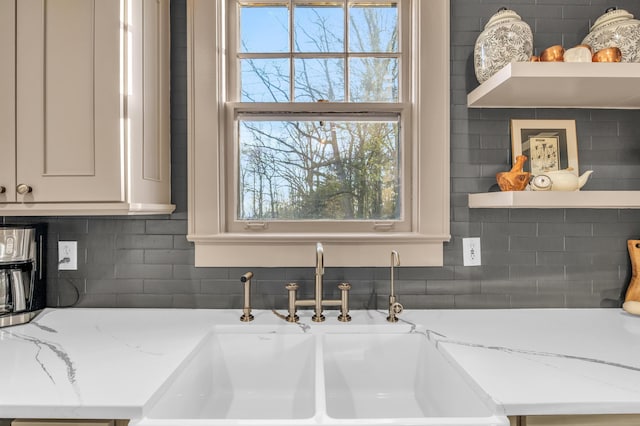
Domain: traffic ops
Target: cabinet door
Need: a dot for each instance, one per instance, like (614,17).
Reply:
(69,103)
(7,100)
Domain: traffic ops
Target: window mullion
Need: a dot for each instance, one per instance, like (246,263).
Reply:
(319,107)
(319,55)
(346,50)
(405,40)
(292,69)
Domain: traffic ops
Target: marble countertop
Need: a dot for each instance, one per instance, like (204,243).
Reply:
(547,361)
(109,363)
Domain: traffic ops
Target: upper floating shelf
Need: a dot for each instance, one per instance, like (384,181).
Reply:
(560,85)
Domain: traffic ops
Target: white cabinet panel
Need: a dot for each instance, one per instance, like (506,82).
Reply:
(68,100)
(7,101)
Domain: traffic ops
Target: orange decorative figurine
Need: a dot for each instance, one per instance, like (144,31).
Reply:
(516,179)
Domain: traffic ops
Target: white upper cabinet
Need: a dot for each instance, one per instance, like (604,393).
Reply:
(91,107)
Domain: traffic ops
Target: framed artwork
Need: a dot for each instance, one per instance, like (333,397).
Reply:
(548,144)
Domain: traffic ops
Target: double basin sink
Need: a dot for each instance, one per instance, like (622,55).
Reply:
(318,378)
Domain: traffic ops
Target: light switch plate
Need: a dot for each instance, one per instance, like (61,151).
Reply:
(471,252)
(67,255)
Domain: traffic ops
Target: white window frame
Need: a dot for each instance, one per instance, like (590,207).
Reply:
(216,245)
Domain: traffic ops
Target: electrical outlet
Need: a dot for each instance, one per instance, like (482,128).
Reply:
(67,255)
(471,252)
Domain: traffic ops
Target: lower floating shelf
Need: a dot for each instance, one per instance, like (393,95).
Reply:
(556,200)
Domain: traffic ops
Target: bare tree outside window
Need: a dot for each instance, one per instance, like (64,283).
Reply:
(325,166)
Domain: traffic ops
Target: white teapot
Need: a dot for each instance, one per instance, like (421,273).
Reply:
(559,180)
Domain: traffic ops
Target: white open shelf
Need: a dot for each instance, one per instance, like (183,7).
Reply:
(556,200)
(560,85)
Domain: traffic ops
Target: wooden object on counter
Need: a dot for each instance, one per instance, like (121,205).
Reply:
(516,179)
(632,297)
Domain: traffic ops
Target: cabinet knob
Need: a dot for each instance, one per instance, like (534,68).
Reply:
(23,189)
(2,189)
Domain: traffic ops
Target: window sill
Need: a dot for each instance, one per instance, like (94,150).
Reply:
(341,250)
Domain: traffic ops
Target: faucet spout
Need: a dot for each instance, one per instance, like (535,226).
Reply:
(395,261)
(319,259)
(318,317)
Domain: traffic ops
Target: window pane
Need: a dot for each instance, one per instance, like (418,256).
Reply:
(319,170)
(374,80)
(373,28)
(264,29)
(318,29)
(264,80)
(321,78)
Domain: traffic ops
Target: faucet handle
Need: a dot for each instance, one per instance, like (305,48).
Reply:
(397,308)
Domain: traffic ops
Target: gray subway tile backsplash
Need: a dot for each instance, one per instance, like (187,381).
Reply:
(170,286)
(145,241)
(111,226)
(537,301)
(171,256)
(528,244)
(531,258)
(443,287)
(482,301)
(169,227)
(113,286)
(191,272)
(145,300)
(127,270)
(564,258)
(592,272)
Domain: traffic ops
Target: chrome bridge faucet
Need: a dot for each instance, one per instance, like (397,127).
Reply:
(317,302)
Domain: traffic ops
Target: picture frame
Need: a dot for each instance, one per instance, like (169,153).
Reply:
(548,144)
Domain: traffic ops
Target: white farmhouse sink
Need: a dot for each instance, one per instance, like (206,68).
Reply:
(243,376)
(320,377)
(387,376)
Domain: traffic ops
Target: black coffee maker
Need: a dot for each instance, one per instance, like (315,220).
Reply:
(22,273)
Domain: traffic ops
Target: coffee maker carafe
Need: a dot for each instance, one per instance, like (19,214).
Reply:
(22,274)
